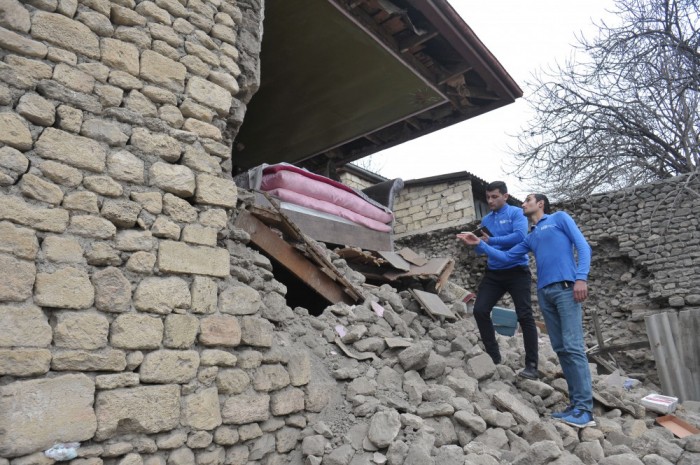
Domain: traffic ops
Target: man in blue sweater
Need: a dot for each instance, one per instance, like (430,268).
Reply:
(508,227)
(561,287)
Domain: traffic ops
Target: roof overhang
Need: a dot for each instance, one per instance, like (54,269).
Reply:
(342,79)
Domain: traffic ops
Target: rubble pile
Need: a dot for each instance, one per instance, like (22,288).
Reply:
(418,391)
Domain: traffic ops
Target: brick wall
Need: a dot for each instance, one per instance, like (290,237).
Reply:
(422,208)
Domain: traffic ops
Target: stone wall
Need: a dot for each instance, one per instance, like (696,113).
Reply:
(354,181)
(646,258)
(121,324)
(420,208)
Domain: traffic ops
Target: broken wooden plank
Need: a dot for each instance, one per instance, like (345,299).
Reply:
(432,304)
(595,350)
(395,260)
(316,254)
(444,275)
(274,246)
(412,257)
(357,255)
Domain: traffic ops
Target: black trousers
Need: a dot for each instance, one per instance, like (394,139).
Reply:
(495,283)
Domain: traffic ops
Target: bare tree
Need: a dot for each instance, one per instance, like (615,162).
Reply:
(626,114)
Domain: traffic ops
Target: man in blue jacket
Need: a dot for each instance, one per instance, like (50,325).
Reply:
(508,227)
(561,287)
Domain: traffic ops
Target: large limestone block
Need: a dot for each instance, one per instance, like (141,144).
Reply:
(220,330)
(134,240)
(180,331)
(14,16)
(233,381)
(61,174)
(43,219)
(65,33)
(40,189)
(416,356)
(24,326)
(104,131)
(21,45)
(162,295)
(161,145)
(256,331)
(169,366)
(37,414)
(13,160)
(92,226)
(16,286)
(287,401)
(179,209)
(522,412)
(216,191)
(136,331)
(37,109)
(18,241)
(24,362)
(176,179)
(162,70)
(299,368)
(176,257)
(240,300)
(122,213)
(15,131)
(73,150)
(65,288)
(240,410)
(62,249)
(145,409)
(84,360)
(270,378)
(209,94)
(202,410)
(81,330)
(384,427)
(112,290)
(125,166)
(204,295)
(120,55)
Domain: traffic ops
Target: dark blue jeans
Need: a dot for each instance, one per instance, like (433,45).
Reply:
(563,317)
(495,283)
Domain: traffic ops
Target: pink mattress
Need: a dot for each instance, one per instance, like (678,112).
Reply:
(286,179)
(328,207)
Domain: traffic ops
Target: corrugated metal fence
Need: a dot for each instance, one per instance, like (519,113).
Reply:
(675,341)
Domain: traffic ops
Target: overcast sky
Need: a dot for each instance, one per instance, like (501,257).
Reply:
(524,37)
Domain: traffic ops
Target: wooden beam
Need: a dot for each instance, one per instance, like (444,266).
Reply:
(407,44)
(619,347)
(269,242)
(453,73)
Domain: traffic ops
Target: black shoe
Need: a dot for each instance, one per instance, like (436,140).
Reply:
(529,373)
(496,359)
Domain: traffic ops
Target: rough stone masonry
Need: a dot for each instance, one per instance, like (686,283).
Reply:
(135,322)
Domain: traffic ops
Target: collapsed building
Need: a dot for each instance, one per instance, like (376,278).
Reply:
(141,324)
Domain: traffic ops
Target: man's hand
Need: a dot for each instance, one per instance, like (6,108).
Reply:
(580,291)
(468,238)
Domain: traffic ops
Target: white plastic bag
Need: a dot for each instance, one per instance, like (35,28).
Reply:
(62,452)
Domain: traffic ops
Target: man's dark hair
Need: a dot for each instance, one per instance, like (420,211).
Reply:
(500,186)
(543,198)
